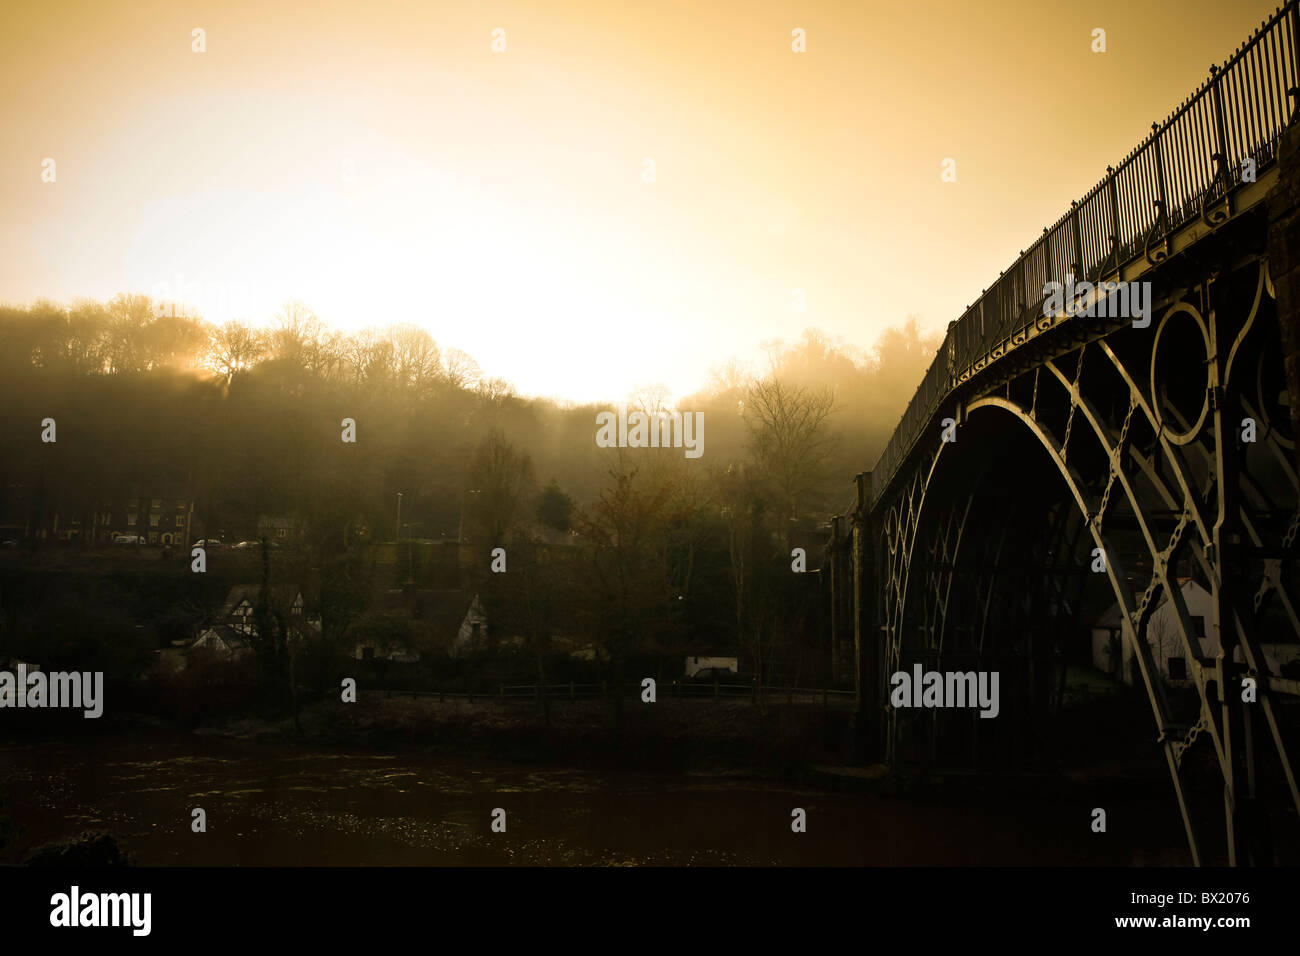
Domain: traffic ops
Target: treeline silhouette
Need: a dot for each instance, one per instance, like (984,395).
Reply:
(630,551)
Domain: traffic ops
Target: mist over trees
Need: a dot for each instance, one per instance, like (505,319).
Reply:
(633,551)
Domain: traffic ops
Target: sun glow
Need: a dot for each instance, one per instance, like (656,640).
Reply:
(381,164)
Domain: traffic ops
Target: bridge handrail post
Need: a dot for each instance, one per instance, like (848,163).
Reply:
(1220,148)
(1078,240)
(1294,91)
(1030,297)
(1114,216)
(1162,203)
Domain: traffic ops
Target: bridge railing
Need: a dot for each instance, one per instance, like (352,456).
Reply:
(1185,165)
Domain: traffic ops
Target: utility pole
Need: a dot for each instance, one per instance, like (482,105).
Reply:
(410,557)
(397,541)
(460,533)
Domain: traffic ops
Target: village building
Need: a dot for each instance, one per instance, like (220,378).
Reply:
(223,641)
(1113,655)
(452,617)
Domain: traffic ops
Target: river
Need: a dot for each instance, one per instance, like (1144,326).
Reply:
(276,805)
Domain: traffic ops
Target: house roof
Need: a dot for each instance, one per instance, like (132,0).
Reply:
(1114,617)
(237,595)
(443,608)
(226,634)
(281,596)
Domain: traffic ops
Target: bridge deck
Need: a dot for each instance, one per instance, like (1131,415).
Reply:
(1214,158)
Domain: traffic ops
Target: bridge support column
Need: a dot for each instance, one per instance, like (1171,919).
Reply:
(866,630)
(1226,588)
(834,566)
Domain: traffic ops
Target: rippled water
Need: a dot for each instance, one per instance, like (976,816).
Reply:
(276,805)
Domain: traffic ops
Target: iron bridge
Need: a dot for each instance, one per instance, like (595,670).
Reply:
(1063,488)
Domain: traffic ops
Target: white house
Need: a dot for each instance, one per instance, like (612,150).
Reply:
(1113,655)
(457,622)
(240,606)
(473,627)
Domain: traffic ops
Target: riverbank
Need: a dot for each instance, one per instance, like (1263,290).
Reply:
(714,735)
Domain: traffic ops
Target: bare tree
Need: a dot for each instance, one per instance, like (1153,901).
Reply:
(128,316)
(729,378)
(235,348)
(502,478)
(459,370)
(370,358)
(417,360)
(651,399)
(624,538)
(495,392)
(1164,640)
(302,340)
(789,438)
(749,550)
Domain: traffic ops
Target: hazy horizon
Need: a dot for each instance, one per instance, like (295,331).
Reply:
(497,199)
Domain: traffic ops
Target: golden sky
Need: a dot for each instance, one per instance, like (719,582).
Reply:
(378,161)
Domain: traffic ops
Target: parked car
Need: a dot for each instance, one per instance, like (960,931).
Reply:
(128,539)
(209,544)
(10,544)
(244,545)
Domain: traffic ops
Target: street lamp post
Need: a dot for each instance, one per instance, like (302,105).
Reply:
(410,557)
(460,533)
(397,532)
